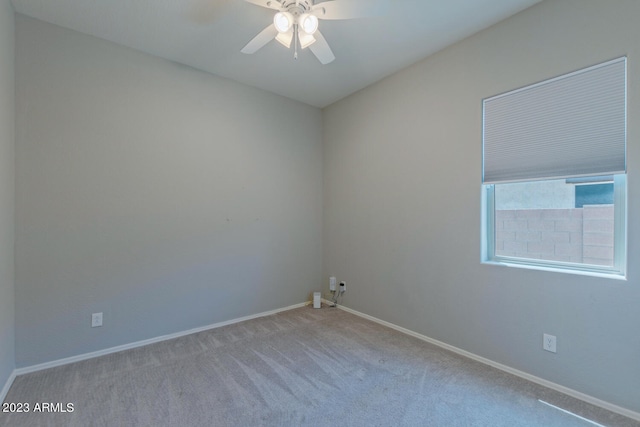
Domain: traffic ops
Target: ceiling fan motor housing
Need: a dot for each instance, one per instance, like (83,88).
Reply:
(296,7)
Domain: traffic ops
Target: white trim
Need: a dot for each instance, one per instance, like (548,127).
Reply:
(530,264)
(557,387)
(85,356)
(7,385)
(327,303)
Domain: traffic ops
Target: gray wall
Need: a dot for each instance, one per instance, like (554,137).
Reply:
(7,120)
(402,204)
(164,197)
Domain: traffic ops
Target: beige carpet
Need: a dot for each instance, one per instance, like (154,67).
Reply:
(302,367)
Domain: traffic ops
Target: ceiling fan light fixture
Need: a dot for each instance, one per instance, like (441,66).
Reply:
(306,40)
(309,23)
(283,21)
(285,39)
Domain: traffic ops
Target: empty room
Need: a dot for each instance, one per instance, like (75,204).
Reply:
(310,213)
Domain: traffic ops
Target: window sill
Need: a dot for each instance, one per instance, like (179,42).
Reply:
(602,274)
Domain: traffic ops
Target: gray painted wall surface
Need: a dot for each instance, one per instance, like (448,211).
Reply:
(7,120)
(402,204)
(164,197)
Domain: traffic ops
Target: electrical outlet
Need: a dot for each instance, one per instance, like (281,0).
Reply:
(332,283)
(343,287)
(549,343)
(96,320)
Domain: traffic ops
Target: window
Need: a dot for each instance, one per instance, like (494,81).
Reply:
(554,173)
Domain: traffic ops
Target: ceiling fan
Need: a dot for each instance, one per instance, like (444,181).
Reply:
(296,21)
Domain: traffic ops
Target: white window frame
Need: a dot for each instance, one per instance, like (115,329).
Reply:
(617,271)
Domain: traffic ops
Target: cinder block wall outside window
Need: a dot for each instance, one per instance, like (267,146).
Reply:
(582,235)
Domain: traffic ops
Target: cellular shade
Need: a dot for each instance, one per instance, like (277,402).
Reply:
(572,125)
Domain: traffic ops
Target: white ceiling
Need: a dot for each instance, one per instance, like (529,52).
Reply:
(208,35)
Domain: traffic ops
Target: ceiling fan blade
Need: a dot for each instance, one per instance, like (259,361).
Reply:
(269,4)
(321,49)
(348,9)
(260,40)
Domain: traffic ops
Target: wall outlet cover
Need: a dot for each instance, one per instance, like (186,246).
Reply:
(549,342)
(96,320)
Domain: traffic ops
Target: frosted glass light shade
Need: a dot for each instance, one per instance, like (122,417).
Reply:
(285,38)
(283,21)
(306,40)
(309,23)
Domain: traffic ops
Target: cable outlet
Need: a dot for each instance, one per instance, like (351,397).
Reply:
(332,284)
(343,287)
(96,320)
(549,343)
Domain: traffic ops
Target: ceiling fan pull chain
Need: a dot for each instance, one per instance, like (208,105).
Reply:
(295,41)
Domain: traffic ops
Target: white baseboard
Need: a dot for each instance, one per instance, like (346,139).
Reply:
(7,386)
(85,356)
(557,387)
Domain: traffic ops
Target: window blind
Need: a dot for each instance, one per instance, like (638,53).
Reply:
(572,125)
